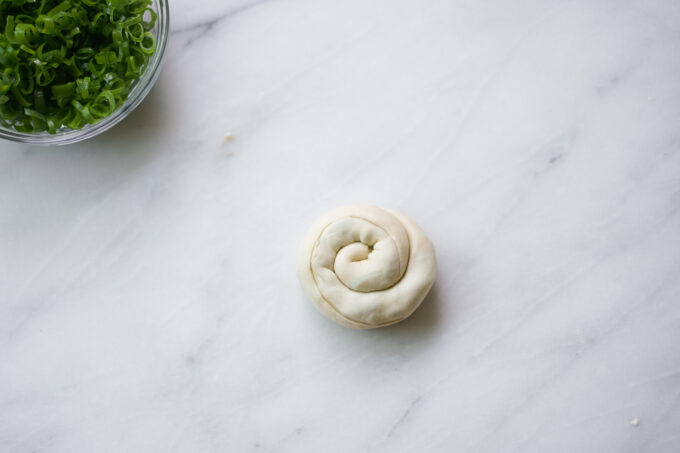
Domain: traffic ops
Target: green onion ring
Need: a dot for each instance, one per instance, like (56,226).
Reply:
(64,64)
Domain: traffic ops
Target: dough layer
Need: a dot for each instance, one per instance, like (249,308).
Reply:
(365,266)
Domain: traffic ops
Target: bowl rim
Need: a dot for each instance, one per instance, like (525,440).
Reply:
(139,91)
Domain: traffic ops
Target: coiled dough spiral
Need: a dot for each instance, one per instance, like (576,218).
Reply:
(365,266)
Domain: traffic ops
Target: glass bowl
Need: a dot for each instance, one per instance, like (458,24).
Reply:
(139,91)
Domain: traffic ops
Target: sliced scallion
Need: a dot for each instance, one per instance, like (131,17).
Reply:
(64,64)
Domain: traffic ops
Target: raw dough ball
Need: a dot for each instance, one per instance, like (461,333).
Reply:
(365,266)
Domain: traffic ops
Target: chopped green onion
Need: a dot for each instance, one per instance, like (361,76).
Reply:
(65,64)
(148,43)
(64,90)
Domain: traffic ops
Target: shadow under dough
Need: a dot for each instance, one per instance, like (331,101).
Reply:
(424,320)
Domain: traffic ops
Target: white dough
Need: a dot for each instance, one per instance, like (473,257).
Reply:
(365,266)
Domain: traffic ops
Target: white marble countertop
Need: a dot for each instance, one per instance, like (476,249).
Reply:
(148,299)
